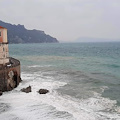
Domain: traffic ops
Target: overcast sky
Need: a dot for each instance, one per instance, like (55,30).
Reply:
(67,20)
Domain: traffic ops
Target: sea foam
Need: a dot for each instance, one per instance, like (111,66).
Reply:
(54,105)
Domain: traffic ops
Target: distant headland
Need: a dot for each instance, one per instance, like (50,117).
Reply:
(19,34)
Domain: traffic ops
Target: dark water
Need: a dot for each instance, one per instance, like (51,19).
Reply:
(83,79)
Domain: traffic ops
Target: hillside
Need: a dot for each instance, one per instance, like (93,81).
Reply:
(19,34)
(90,39)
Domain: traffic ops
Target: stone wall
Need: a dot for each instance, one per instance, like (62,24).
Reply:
(10,75)
(4,54)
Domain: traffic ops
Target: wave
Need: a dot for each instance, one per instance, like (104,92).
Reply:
(34,66)
(55,106)
(112,65)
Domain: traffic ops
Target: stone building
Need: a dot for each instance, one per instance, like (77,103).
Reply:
(4,57)
(9,67)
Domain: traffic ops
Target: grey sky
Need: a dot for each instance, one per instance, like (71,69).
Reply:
(66,20)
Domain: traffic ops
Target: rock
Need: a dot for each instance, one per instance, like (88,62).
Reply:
(1,93)
(43,91)
(26,90)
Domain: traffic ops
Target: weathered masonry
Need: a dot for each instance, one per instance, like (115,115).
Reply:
(3,46)
(9,67)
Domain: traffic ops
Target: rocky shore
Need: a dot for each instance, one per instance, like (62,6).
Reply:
(10,75)
(29,89)
(10,78)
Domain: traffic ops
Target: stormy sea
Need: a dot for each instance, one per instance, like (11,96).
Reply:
(83,80)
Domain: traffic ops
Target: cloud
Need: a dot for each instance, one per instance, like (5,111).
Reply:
(65,19)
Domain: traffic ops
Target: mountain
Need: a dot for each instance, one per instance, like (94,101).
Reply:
(89,39)
(19,34)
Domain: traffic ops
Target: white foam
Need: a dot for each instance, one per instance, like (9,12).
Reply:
(34,66)
(33,106)
(89,109)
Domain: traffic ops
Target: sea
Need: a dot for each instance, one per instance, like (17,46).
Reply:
(83,80)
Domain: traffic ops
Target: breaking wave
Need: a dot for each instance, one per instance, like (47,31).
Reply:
(17,105)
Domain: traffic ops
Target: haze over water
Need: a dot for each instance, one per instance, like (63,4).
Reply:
(83,80)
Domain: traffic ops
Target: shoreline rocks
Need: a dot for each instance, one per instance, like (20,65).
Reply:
(26,90)
(29,89)
(1,93)
(43,91)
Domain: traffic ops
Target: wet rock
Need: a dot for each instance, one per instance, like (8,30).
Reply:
(26,90)
(1,93)
(43,91)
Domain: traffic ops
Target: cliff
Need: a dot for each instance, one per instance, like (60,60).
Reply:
(19,34)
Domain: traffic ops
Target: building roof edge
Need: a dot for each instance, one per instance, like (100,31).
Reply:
(3,27)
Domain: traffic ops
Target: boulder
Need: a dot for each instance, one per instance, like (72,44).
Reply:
(26,90)
(43,91)
(1,93)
